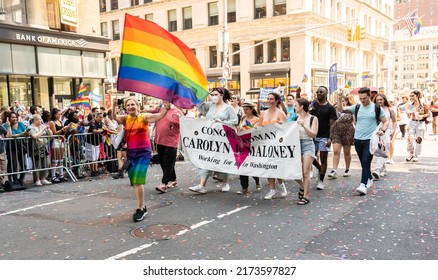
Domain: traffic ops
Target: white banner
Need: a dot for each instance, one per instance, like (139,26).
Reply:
(272,151)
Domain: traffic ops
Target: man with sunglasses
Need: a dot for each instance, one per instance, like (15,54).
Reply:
(326,114)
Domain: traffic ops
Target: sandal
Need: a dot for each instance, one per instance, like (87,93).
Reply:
(161,189)
(303,201)
(300,194)
(172,185)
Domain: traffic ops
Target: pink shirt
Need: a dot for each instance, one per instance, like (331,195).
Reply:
(167,129)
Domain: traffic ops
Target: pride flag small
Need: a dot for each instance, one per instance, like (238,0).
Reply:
(365,75)
(305,78)
(84,101)
(82,90)
(348,84)
(294,88)
(155,62)
(247,125)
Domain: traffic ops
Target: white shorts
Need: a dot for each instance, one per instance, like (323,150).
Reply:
(91,152)
(57,144)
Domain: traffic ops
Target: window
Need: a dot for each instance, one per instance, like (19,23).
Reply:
(349,60)
(102,6)
(149,17)
(423,47)
(231,11)
(258,53)
(53,15)
(279,7)
(135,2)
(104,29)
(114,66)
(147,1)
(422,75)
(259,9)
(272,51)
(187,16)
(236,57)
(285,47)
(423,66)
(114,5)
(171,15)
(423,56)
(213,14)
(116,30)
(213,57)
(317,51)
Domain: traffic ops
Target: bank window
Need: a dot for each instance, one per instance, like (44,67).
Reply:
(285,49)
(213,56)
(5,58)
(116,30)
(272,51)
(171,17)
(236,57)
(231,11)
(279,7)
(135,2)
(213,14)
(147,1)
(258,53)
(187,16)
(102,6)
(94,64)
(71,63)
(114,5)
(104,29)
(23,59)
(259,9)
(49,61)
(149,17)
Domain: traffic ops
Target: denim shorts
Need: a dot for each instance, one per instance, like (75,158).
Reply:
(307,147)
(320,143)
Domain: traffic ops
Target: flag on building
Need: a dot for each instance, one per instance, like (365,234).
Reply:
(348,84)
(82,90)
(333,78)
(84,101)
(365,75)
(413,24)
(305,78)
(156,63)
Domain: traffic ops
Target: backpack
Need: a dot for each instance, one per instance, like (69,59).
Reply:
(377,109)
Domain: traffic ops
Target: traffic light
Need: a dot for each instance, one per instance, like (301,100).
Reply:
(350,34)
(360,33)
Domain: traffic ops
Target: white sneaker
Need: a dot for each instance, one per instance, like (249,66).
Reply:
(45,182)
(320,185)
(370,183)
(415,159)
(270,194)
(333,174)
(362,189)
(347,173)
(283,190)
(198,189)
(38,183)
(382,174)
(226,188)
(376,175)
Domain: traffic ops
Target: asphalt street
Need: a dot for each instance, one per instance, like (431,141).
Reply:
(92,219)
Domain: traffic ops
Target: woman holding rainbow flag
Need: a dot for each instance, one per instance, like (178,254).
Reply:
(139,147)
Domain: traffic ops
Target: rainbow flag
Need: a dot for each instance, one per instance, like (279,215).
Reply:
(348,84)
(408,107)
(381,90)
(84,101)
(365,75)
(305,78)
(247,125)
(294,88)
(156,63)
(82,90)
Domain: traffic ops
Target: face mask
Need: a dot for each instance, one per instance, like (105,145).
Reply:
(215,99)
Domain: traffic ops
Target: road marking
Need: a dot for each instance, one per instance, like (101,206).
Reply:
(192,227)
(49,203)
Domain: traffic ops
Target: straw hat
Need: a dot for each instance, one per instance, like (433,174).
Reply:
(247,104)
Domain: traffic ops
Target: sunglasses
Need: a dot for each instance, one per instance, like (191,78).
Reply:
(320,91)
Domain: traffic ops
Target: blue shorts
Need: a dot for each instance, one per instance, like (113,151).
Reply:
(320,144)
(307,147)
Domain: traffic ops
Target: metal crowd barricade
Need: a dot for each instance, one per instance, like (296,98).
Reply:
(83,149)
(22,155)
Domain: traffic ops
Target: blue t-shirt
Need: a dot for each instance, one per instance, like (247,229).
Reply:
(366,121)
(291,115)
(20,129)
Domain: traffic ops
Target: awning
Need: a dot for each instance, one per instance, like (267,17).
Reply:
(253,91)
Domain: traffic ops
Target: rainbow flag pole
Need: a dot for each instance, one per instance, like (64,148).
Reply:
(156,63)
(82,90)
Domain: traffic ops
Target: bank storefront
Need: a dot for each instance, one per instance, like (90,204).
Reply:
(45,67)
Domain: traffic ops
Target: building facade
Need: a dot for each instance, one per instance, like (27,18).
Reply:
(416,61)
(292,38)
(47,48)
(426,9)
